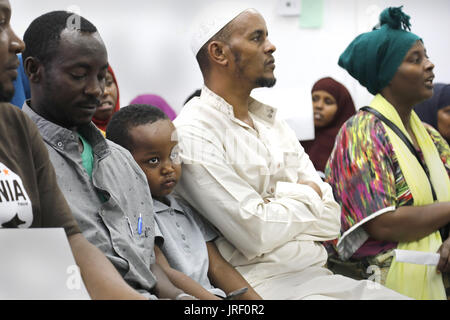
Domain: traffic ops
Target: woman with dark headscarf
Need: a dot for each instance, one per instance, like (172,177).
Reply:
(389,171)
(436,111)
(109,103)
(332,106)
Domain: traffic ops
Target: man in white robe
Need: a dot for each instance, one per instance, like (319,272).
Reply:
(245,171)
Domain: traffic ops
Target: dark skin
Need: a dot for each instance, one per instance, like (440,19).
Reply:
(10,46)
(156,152)
(223,275)
(100,277)
(412,84)
(252,46)
(237,65)
(67,91)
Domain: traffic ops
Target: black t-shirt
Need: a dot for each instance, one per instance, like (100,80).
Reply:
(29,193)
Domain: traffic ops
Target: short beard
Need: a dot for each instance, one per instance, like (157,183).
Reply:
(260,82)
(5,96)
(265,82)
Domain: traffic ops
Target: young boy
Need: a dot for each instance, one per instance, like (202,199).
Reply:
(187,253)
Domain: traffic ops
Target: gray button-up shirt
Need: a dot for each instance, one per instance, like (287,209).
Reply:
(185,235)
(110,225)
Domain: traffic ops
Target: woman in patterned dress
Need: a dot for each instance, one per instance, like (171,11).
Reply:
(391,199)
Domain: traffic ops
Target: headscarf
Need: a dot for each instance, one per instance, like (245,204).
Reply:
(156,101)
(102,124)
(428,109)
(320,148)
(374,57)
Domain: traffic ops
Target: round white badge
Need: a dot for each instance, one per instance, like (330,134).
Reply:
(15,205)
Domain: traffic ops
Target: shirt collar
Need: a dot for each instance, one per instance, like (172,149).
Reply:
(63,139)
(261,110)
(159,206)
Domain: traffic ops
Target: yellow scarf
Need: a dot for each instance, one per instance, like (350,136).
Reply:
(416,281)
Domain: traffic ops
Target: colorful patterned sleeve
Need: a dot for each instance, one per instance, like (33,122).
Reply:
(362,174)
(441,145)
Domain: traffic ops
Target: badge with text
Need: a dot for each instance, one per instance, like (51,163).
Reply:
(15,205)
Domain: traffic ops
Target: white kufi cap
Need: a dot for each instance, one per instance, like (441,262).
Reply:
(211,20)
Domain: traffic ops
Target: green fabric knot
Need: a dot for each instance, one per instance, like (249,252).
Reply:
(374,57)
(395,18)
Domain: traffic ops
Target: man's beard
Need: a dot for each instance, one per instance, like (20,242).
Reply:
(5,96)
(265,82)
(260,82)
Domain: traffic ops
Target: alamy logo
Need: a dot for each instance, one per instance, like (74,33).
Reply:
(74,21)
(375,276)
(74,279)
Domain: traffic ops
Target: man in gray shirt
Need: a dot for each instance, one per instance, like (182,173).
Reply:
(66,62)
(24,160)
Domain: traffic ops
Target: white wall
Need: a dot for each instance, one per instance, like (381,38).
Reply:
(148,41)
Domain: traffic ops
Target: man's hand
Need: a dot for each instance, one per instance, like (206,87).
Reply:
(312,185)
(102,279)
(444,261)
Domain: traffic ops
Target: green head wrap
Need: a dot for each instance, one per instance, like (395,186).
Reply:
(374,57)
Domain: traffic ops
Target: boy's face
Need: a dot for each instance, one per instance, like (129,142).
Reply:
(156,152)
